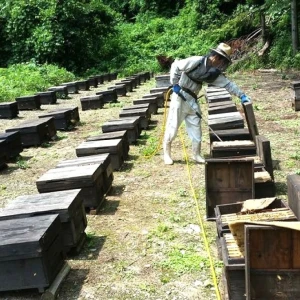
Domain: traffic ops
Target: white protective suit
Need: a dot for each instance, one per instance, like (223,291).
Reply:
(180,110)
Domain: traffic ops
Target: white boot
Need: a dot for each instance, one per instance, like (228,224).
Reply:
(196,148)
(167,153)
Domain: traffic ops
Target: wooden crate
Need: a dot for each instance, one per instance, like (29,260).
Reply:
(162,81)
(223,121)
(62,119)
(72,87)
(109,96)
(28,102)
(9,110)
(48,97)
(93,81)
(227,181)
(113,146)
(83,85)
(293,190)
(226,135)
(60,90)
(122,134)
(91,102)
(159,98)
(102,160)
(128,84)
(35,132)
(88,178)
(224,210)
(144,114)
(119,88)
(222,109)
(153,107)
(3,155)
(100,79)
(232,148)
(131,125)
(31,252)
(215,97)
(67,204)
(272,262)
(12,142)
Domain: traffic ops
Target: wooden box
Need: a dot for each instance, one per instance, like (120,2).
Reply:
(222,109)
(133,80)
(162,81)
(227,181)
(113,147)
(60,90)
(120,89)
(153,107)
(62,118)
(93,81)
(88,178)
(225,212)
(67,204)
(131,125)
(35,132)
(226,135)
(3,155)
(72,87)
(47,97)
(92,102)
(106,77)
(159,98)
(144,114)
(109,96)
(232,148)
(137,79)
(226,121)
(272,262)
(28,102)
(9,110)
(83,85)
(122,134)
(31,252)
(293,191)
(12,142)
(128,85)
(103,160)
(218,97)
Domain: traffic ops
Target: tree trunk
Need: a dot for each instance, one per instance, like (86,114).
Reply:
(295,39)
(263,26)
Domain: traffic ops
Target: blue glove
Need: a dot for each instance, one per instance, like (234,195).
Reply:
(176,88)
(244,98)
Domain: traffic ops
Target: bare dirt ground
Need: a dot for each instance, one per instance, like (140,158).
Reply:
(148,241)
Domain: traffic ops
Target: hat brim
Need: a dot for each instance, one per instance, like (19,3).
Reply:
(222,54)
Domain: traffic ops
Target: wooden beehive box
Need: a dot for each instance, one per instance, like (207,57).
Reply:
(47,97)
(103,160)
(159,98)
(153,107)
(9,110)
(106,77)
(128,85)
(12,142)
(130,125)
(28,102)
(223,121)
(225,213)
(67,204)
(35,132)
(144,114)
(93,81)
(218,97)
(88,178)
(3,155)
(122,134)
(137,78)
(133,80)
(99,78)
(233,148)
(31,252)
(162,81)
(92,102)
(109,96)
(119,88)
(60,90)
(113,146)
(222,109)
(226,135)
(272,262)
(293,188)
(228,181)
(72,87)
(62,119)
(83,85)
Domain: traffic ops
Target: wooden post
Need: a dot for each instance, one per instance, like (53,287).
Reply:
(295,39)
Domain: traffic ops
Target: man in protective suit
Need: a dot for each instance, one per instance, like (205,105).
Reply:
(186,77)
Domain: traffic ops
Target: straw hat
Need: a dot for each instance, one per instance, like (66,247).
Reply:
(224,50)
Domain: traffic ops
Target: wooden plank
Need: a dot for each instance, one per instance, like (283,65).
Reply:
(230,134)
(251,120)
(293,189)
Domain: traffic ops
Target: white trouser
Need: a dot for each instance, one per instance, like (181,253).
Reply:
(183,110)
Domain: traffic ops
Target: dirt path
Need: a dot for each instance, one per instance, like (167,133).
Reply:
(146,243)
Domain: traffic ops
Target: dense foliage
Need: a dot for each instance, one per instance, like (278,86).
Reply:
(88,36)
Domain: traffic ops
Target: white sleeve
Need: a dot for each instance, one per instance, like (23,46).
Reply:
(230,86)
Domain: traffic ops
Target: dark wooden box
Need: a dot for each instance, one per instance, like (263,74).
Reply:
(134,81)
(72,87)
(103,160)
(272,261)
(128,85)
(153,107)
(28,102)
(60,90)
(122,134)
(226,121)
(113,147)
(88,178)
(67,204)
(93,81)
(215,97)
(119,88)
(228,181)
(100,79)
(109,96)
(293,189)
(162,80)
(31,252)
(3,155)
(222,109)
(137,78)
(226,135)
(62,119)
(35,132)
(159,98)
(92,102)
(106,77)
(130,125)
(113,75)
(233,208)
(83,85)
(232,148)
(144,114)
(12,142)
(9,110)
(47,97)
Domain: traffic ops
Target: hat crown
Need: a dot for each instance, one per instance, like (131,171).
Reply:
(226,49)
